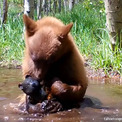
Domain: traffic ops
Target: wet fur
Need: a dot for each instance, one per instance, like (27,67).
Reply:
(52,56)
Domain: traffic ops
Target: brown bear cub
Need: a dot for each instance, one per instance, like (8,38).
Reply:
(52,58)
(36,98)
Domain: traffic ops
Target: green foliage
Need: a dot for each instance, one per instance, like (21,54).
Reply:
(16,1)
(11,40)
(91,36)
(88,31)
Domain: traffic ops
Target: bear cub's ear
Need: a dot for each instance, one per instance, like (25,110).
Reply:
(65,30)
(30,25)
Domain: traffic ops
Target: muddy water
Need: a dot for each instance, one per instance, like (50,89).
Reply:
(103,102)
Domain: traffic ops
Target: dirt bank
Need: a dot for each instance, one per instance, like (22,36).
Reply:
(98,74)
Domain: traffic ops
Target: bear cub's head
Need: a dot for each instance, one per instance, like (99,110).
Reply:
(46,39)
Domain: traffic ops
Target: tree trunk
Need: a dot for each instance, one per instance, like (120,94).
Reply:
(39,8)
(65,5)
(0,12)
(59,5)
(54,6)
(113,10)
(49,5)
(71,4)
(5,10)
(45,7)
(29,8)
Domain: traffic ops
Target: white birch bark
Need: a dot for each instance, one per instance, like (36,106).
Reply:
(71,4)
(113,10)
(39,8)
(65,5)
(49,5)
(29,8)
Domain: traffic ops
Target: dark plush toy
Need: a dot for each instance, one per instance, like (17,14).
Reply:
(33,89)
(36,97)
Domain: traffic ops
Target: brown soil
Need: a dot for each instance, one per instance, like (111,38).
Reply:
(99,74)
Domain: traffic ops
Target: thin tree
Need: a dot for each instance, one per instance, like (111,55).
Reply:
(5,11)
(49,5)
(65,5)
(54,5)
(0,11)
(29,8)
(113,10)
(71,4)
(45,7)
(39,9)
(59,5)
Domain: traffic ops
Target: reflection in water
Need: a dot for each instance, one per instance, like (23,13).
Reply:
(102,102)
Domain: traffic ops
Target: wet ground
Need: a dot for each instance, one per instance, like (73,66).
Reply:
(103,102)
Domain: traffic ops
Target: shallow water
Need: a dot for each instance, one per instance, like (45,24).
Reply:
(103,102)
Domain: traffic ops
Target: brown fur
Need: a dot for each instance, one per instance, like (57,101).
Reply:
(52,56)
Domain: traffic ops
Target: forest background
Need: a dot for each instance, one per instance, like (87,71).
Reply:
(89,32)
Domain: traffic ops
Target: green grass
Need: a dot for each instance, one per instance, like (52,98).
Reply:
(89,32)
(92,37)
(11,38)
